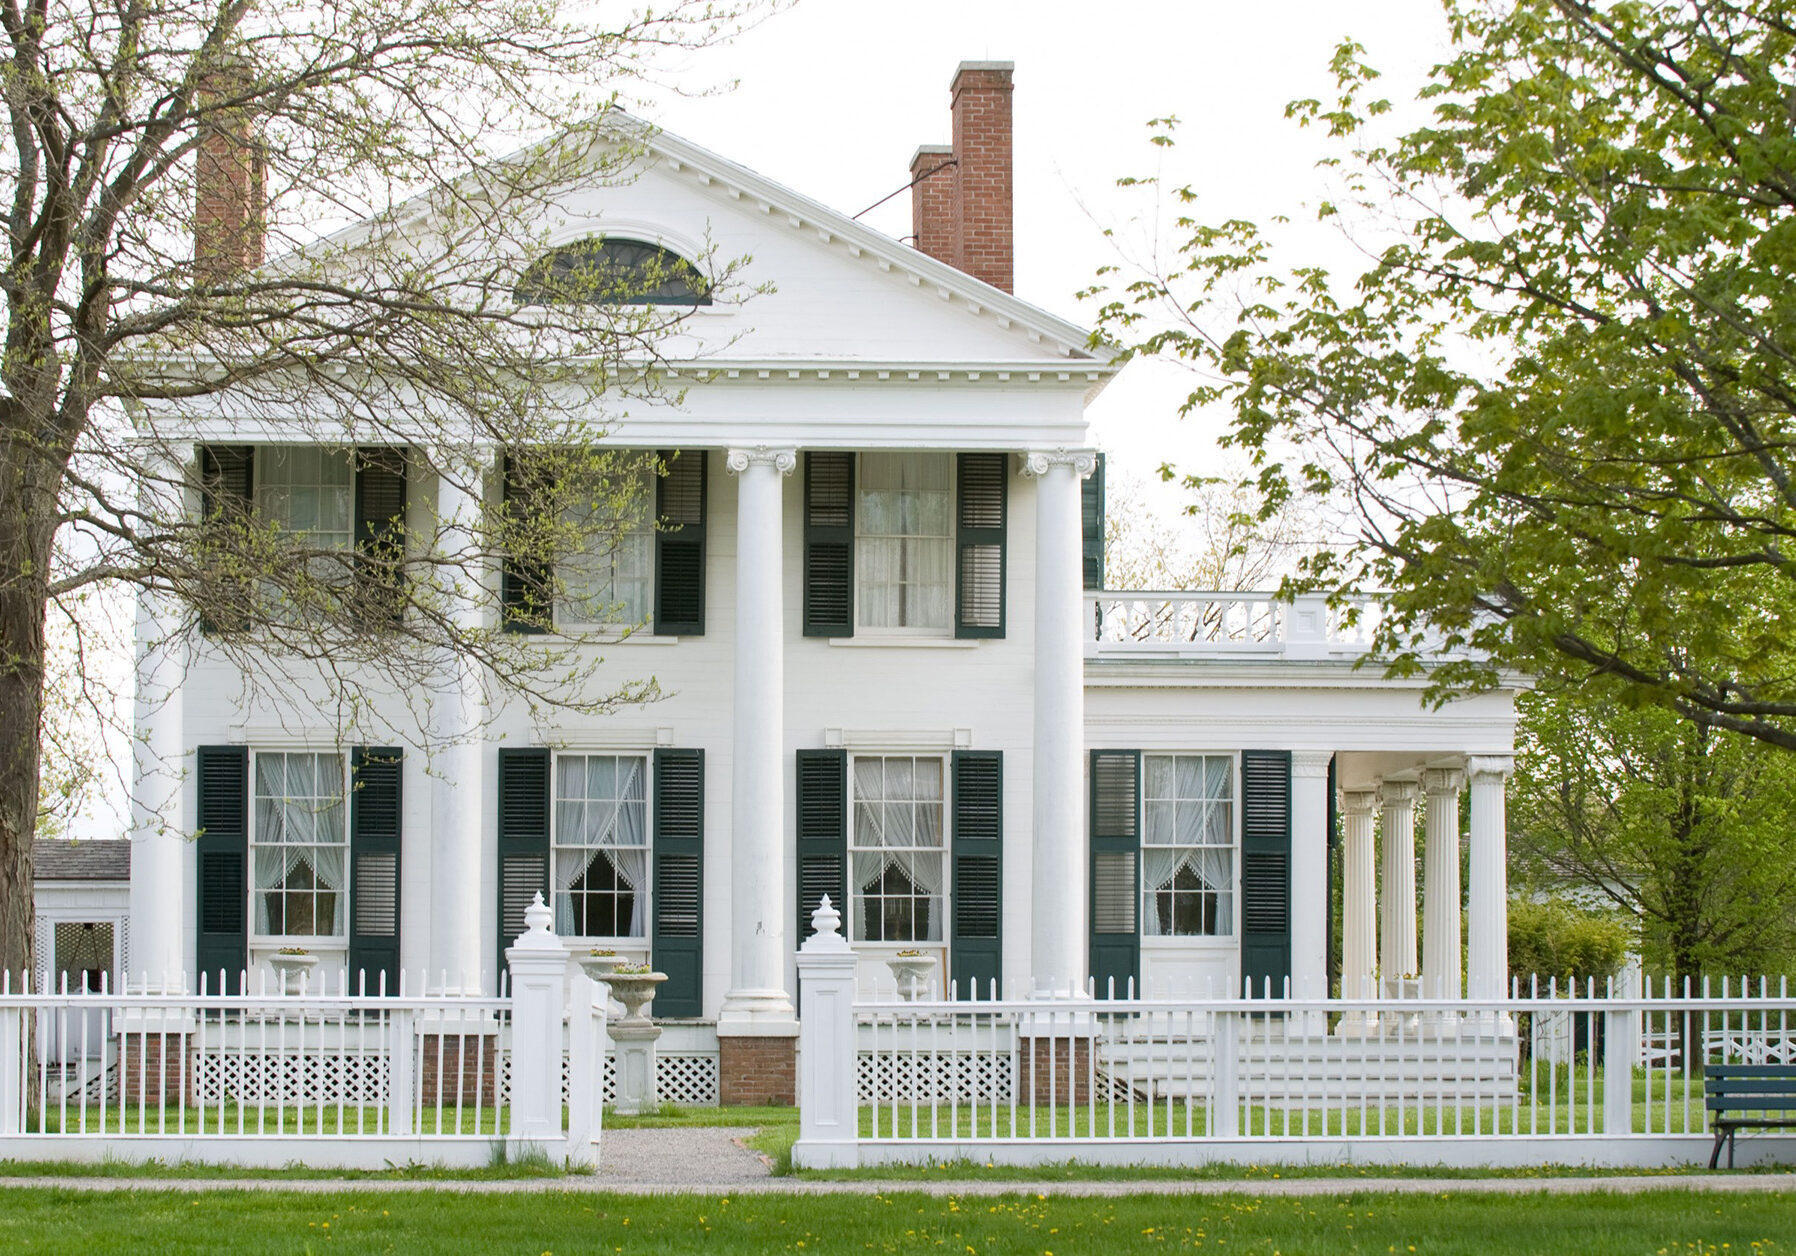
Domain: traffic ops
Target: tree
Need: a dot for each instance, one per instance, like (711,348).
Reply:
(1555,941)
(398,163)
(1683,828)
(1226,543)
(1562,398)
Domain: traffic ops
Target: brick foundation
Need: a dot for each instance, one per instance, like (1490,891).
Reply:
(1055,1070)
(757,1072)
(153,1068)
(466,1066)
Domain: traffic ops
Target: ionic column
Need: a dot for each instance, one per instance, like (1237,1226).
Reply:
(160,825)
(1440,885)
(757,1003)
(1359,893)
(1057,954)
(1487,932)
(1397,909)
(1309,875)
(458,756)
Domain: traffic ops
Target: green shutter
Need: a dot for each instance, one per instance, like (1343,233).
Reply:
(974,946)
(375,821)
(828,545)
(982,498)
(1265,870)
(525,586)
(227,486)
(679,881)
(1115,872)
(822,834)
(380,534)
(523,839)
(680,550)
(1091,525)
(221,942)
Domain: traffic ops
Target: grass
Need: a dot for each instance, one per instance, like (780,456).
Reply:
(244,1223)
(230,1118)
(498,1170)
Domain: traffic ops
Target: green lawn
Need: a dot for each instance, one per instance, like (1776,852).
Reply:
(245,1223)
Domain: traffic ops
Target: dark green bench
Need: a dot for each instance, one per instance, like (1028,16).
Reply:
(1766,1091)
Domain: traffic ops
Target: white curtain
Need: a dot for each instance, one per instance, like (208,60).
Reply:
(600,809)
(300,820)
(905,556)
(898,826)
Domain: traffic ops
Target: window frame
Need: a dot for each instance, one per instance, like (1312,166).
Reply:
(256,939)
(1160,940)
(945,631)
(645,534)
(645,907)
(943,850)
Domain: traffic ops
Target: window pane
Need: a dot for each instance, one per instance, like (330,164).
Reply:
(601,846)
(905,541)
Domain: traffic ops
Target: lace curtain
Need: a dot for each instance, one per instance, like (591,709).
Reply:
(301,843)
(905,552)
(600,811)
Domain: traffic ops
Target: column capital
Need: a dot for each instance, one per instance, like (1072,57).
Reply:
(1310,762)
(782,458)
(1442,781)
(1036,462)
(1398,793)
(1486,766)
(1358,802)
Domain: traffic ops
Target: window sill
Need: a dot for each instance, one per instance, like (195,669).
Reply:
(874,642)
(1195,941)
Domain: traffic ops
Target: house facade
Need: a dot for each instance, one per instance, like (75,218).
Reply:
(871,595)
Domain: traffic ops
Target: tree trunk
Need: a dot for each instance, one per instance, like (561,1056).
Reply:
(21,713)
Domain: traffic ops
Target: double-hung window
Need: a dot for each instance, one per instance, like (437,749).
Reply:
(1188,845)
(601,846)
(299,843)
(307,494)
(613,580)
(897,848)
(904,536)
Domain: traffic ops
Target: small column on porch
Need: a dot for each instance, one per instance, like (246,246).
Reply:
(1359,893)
(1487,931)
(757,1027)
(1397,909)
(1057,958)
(1309,875)
(458,758)
(1440,886)
(160,827)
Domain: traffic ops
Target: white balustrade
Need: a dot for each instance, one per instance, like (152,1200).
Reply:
(1198,623)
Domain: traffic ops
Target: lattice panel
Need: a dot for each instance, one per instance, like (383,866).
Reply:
(938,1077)
(292,1077)
(686,1080)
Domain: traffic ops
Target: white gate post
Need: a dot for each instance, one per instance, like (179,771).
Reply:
(402,1046)
(828,1115)
(1225,1102)
(538,981)
(1621,1040)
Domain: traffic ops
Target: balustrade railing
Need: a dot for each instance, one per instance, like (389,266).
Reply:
(1200,622)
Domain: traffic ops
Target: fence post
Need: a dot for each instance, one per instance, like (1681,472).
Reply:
(12,1069)
(401,1048)
(1619,1047)
(1225,1103)
(828,1113)
(538,966)
(586,1072)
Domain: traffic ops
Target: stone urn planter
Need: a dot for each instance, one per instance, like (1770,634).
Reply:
(289,966)
(635,1036)
(912,973)
(596,965)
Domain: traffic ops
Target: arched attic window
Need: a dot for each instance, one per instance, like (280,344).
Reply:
(612,271)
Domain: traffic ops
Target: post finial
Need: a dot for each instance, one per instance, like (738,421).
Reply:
(826,919)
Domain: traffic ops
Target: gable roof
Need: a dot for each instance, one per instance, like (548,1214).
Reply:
(58,859)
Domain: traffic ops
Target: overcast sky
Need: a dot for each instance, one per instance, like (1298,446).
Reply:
(833,96)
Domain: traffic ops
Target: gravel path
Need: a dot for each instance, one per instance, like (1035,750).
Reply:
(689,1154)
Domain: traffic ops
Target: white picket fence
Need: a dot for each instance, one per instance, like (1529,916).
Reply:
(308,1076)
(1267,1080)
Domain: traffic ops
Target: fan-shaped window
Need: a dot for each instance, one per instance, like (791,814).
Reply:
(612,272)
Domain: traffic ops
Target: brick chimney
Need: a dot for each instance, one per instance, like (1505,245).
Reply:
(962,213)
(229,172)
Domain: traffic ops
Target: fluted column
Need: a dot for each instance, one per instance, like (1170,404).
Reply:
(757,1002)
(459,753)
(1359,894)
(160,828)
(1440,886)
(1397,909)
(1057,957)
(1309,875)
(1487,932)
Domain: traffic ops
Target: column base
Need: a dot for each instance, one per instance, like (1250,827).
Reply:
(1055,1070)
(757,1014)
(757,1071)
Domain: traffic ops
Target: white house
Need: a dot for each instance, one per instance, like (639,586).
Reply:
(892,675)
